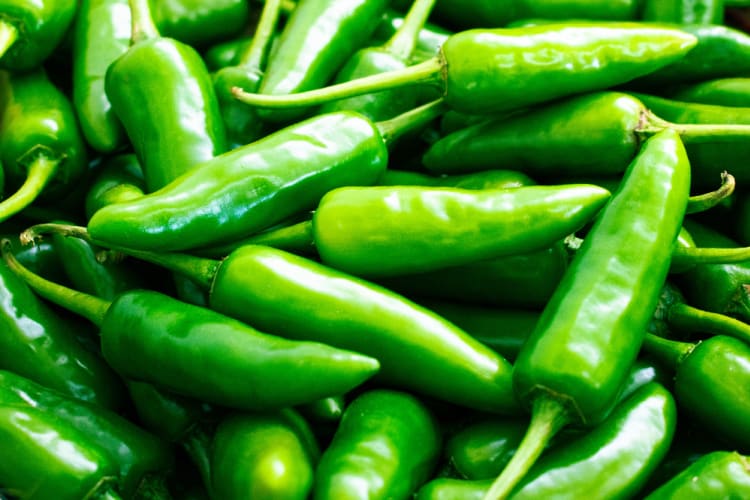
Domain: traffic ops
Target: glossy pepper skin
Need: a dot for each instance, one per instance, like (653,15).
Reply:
(702,371)
(417,228)
(40,27)
(119,179)
(136,452)
(249,188)
(720,91)
(165,142)
(386,446)
(101,34)
(51,458)
(720,474)
(261,456)
(683,11)
(200,22)
(39,139)
(318,37)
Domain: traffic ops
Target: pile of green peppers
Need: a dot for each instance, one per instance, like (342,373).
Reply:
(374,249)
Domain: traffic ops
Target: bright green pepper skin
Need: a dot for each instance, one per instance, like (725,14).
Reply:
(166,143)
(136,452)
(454,489)
(260,456)
(220,360)
(101,35)
(491,71)
(242,123)
(486,179)
(120,179)
(227,53)
(593,134)
(294,297)
(576,353)
(386,446)
(429,39)
(39,345)
(721,92)
(38,120)
(482,449)
(50,458)
(42,26)
(200,22)
(317,39)
(250,188)
(720,474)
(417,227)
(615,459)
(707,158)
(683,11)
(525,281)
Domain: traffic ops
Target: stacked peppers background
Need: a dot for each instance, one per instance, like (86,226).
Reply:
(331,249)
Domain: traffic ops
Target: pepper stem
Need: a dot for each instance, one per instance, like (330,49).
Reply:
(91,307)
(695,133)
(548,416)
(424,73)
(690,319)
(41,171)
(8,36)
(402,43)
(296,238)
(703,202)
(36,232)
(142,24)
(414,119)
(669,352)
(255,56)
(684,258)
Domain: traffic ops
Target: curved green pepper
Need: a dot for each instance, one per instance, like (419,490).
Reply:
(721,92)
(260,456)
(136,452)
(575,363)
(386,446)
(200,22)
(721,474)
(490,71)
(31,31)
(212,357)
(41,147)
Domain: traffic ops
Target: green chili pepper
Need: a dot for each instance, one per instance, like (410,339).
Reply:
(394,55)
(227,53)
(574,364)
(386,446)
(242,123)
(683,11)
(179,77)
(711,378)
(324,410)
(49,458)
(429,37)
(318,37)
(721,474)
(490,71)
(101,35)
(258,185)
(260,456)
(41,147)
(721,92)
(212,357)
(136,452)
(200,22)
(417,228)
(119,179)
(31,31)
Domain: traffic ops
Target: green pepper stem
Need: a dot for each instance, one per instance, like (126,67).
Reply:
(35,233)
(142,24)
(8,36)
(690,319)
(296,238)
(254,58)
(669,352)
(684,258)
(402,43)
(692,133)
(414,119)
(424,73)
(703,202)
(41,171)
(89,306)
(548,416)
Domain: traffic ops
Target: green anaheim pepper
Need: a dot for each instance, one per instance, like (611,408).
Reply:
(719,474)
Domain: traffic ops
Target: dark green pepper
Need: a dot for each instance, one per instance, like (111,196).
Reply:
(490,71)
(574,364)
(386,446)
(720,474)
(119,179)
(226,53)
(212,357)
(683,11)
(41,146)
(200,22)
